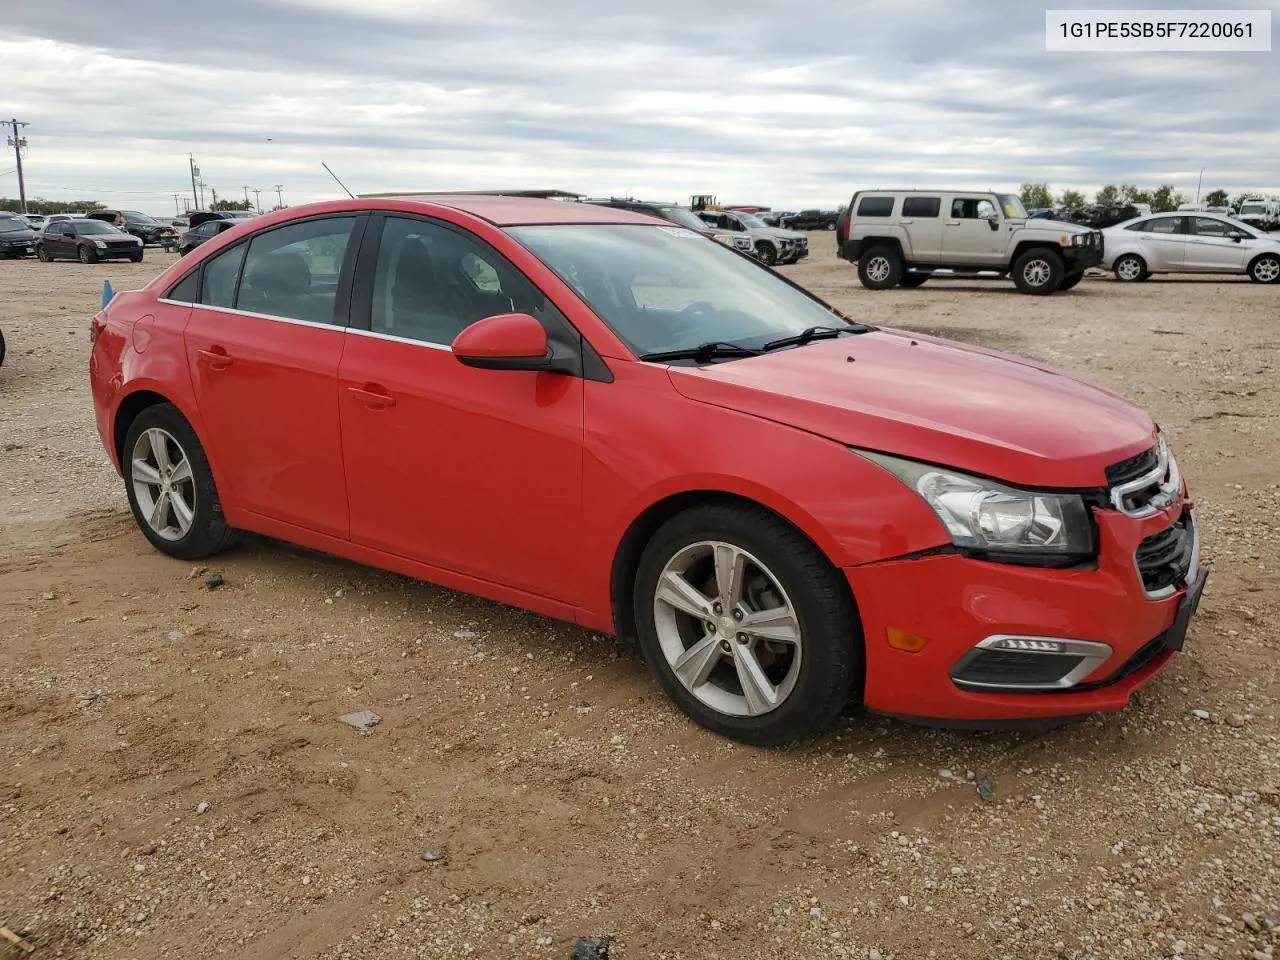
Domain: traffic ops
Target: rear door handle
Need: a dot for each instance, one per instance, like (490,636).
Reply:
(372,398)
(216,357)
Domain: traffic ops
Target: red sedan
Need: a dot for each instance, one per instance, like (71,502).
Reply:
(608,419)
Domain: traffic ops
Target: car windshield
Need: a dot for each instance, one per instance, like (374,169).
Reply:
(1012,207)
(1252,208)
(751,220)
(664,288)
(12,223)
(684,217)
(92,226)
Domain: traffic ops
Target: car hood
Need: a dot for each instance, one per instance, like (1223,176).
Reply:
(778,232)
(931,399)
(17,236)
(1046,226)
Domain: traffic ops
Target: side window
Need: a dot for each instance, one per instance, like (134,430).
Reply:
(875,207)
(1142,226)
(921,206)
(292,272)
(220,273)
(432,282)
(187,289)
(972,208)
(1206,227)
(1166,225)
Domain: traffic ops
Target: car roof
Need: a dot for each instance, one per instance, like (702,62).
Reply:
(522,211)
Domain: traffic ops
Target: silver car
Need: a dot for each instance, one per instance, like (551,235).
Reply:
(1190,242)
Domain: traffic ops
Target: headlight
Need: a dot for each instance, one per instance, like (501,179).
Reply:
(100,244)
(987,516)
(725,238)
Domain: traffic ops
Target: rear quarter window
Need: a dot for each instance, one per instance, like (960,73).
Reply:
(875,207)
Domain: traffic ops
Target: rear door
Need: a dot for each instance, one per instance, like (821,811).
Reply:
(921,219)
(1215,246)
(263,345)
(1163,243)
(968,238)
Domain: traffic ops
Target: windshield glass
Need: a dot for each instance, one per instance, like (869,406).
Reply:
(663,288)
(92,226)
(752,221)
(1251,208)
(12,223)
(682,216)
(1012,207)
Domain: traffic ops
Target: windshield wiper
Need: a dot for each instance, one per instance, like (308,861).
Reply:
(703,352)
(815,333)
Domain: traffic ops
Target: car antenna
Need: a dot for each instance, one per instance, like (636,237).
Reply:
(335,177)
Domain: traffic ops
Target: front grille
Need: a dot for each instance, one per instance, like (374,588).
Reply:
(1164,558)
(1144,484)
(1134,467)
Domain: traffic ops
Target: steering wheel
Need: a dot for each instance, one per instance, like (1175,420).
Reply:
(698,308)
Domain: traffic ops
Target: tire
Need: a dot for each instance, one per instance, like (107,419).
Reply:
(914,279)
(137,257)
(1,348)
(87,255)
(880,268)
(1265,269)
(1070,280)
(768,253)
(206,531)
(809,680)
(831,225)
(43,255)
(1038,271)
(1130,268)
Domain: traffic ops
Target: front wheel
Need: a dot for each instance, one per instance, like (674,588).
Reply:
(88,255)
(43,254)
(170,486)
(1266,269)
(746,625)
(1038,272)
(767,253)
(1130,268)
(880,268)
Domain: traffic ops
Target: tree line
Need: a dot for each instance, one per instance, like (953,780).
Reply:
(1161,200)
(40,205)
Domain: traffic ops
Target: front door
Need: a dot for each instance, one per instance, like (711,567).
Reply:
(263,345)
(1215,246)
(968,237)
(476,471)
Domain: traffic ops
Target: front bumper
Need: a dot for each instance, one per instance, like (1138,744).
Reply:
(1086,255)
(971,601)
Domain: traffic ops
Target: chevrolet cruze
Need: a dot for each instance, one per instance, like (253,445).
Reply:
(603,418)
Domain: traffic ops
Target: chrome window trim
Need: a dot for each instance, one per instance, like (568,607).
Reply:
(448,348)
(260,316)
(1164,475)
(1094,654)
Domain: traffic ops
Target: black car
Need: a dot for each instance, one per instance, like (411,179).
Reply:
(202,232)
(16,238)
(87,241)
(145,228)
(776,218)
(812,220)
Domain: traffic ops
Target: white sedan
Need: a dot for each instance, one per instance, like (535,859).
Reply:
(1189,243)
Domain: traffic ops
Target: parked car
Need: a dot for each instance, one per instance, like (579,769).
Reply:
(813,220)
(1260,214)
(86,240)
(773,218)
(685,218)
(1190,243)
(145,228)
(34,220)
(942,532)
(202,233)
(17,239)
(773,245)
(903,237)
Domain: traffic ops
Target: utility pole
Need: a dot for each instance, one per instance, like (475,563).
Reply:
(257,201)
(202,193)
(195,172)
(279,194)
(246,194)
(17,141)
(177,211)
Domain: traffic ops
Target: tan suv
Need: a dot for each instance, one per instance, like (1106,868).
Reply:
(903,237)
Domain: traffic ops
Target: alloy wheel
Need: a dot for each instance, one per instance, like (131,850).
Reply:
(1128,269)
(1037,272)
(729,633)
(878,269)
(1267,270)
(163,484)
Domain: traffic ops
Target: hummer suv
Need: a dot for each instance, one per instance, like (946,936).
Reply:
(903,237)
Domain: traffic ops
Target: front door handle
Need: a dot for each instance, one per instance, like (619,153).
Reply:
(372,398)
(953,223)
(216,358)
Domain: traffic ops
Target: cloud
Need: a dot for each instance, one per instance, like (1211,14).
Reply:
(792,103)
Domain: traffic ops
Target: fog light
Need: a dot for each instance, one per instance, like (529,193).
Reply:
(1013,663)
(1029,644)
(901,640)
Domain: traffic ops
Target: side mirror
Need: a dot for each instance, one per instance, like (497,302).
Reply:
(993,221)
(507,341)
(1237,237)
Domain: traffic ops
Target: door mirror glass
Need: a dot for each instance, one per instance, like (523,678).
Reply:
(508,341)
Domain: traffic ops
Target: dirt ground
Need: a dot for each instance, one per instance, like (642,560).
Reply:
(564,794)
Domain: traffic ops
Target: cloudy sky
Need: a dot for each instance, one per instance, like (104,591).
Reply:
(788,102)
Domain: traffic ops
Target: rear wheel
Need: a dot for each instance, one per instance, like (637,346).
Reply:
(88,255)
(1130,268)
(880,268)
(914,279)
(1266,269)
(1038,271)
(746,625)
(170,486)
